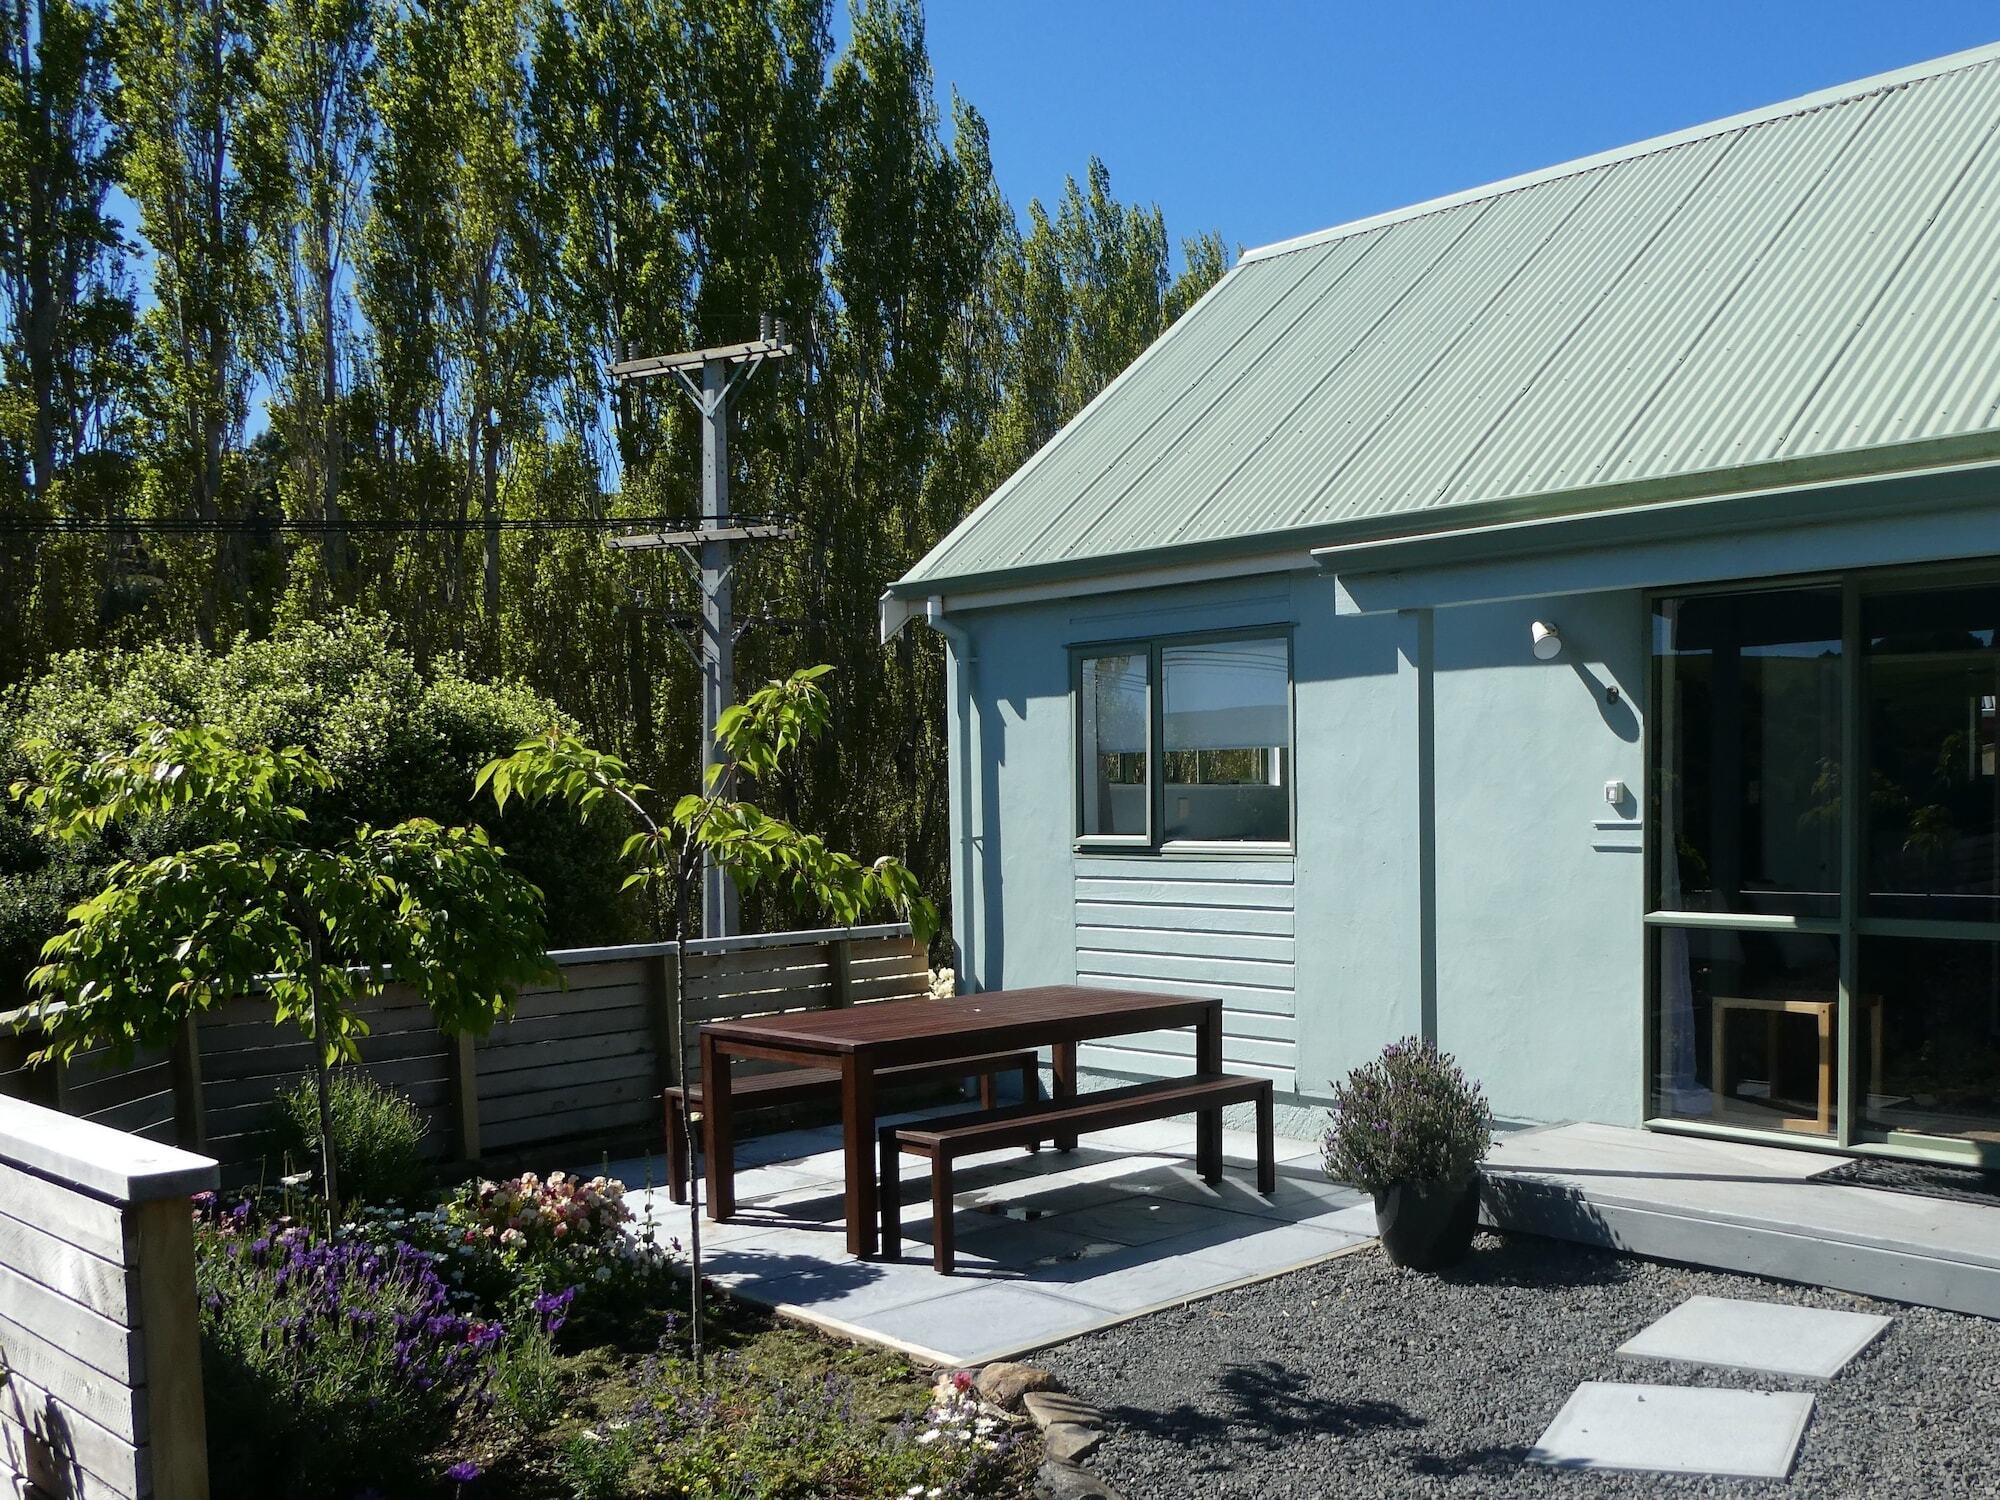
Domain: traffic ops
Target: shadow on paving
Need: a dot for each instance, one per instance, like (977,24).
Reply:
(1263,1402)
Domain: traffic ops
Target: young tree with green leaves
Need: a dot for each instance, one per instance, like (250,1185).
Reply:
(317,926)
(666,850)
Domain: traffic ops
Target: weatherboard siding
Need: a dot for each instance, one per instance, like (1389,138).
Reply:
(1221,928)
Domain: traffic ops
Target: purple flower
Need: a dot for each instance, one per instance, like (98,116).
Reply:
(463,1472)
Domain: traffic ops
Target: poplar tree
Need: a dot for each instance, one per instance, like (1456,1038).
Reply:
(184,69)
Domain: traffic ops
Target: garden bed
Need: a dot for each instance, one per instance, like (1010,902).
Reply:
(527,1339)
(1357,1379)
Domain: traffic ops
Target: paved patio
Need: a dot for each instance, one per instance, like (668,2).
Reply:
(1050,1245)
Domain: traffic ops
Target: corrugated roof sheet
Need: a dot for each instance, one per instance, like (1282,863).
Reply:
(1808,291)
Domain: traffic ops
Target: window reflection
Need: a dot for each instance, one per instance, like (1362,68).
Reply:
(1930,1019)
(1225,709)
(1115,732)
(1932,677)
(1747,729)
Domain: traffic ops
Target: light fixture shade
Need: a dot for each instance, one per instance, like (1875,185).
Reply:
(1548,641)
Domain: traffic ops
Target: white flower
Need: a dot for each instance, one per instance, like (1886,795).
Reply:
(929,1435)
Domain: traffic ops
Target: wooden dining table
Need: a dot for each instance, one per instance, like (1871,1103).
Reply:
(860,1040)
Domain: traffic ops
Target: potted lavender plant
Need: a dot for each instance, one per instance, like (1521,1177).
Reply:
(1410,1129)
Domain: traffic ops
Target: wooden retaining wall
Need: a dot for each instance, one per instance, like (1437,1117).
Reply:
(99,1333)
(579,1066)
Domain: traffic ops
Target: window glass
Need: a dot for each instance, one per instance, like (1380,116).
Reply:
(1929,1026)
(1226,740)
(1746,1027)
(1932,682)
(1115,735)
(1747,745)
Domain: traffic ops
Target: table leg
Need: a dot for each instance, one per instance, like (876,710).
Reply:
(1062,1064)
(1208,1122)
(718,1130)
(857,1120)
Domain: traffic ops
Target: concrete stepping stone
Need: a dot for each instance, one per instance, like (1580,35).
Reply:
(1676,1429)
(1774,1338)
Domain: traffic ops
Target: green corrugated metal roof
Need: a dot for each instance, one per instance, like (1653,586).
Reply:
(1809,292)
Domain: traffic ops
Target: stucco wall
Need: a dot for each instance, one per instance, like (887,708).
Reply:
(1531,967)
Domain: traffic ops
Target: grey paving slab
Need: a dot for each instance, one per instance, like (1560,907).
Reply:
(1676,1429)
(1774,1337)
(1049,1245)
(975,1324)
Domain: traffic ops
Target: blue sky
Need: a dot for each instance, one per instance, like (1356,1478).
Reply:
(1273,118)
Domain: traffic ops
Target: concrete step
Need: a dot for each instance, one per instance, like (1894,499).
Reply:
(1750,1209)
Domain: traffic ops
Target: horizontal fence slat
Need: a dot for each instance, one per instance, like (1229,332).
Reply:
(514,1135)
(578,1002)
(88,1223)
(58,1438)
(494,1093)
(97,1341)
(118,1409)
(537,1031)
(502,1063)
(557,1104)
(105,1287)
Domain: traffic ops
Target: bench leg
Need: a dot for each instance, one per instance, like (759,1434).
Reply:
(1062,1059)
(986,1100)
(889,1191)
(1267,1141)
(944,1251)
(1031,1091)
(677,1152)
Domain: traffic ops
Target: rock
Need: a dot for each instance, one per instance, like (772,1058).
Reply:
(1068,1442)
(1004,1384)
(1048,1407)
(1059,1481)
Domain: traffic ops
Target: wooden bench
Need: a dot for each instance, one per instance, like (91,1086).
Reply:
(946,1138)
(800,1085)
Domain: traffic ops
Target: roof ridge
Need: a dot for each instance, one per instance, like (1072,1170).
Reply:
(1784,109)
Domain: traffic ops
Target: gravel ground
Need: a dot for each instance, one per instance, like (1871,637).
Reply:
(1355,1379)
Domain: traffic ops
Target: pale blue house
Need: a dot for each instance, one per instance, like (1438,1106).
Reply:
(1468,621)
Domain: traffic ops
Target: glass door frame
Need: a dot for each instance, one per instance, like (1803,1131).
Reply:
(1851,926)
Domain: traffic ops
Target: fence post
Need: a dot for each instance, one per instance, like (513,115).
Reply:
(465,1094)
(839,953)
(173,1349)
(102,1356)
(184,1066)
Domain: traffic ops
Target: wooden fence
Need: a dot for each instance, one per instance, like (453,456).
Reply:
(579,1065)
(100,1359)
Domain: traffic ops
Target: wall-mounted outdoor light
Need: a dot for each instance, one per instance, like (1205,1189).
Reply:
(1548,641)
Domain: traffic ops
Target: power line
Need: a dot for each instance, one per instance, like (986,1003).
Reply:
(647,526)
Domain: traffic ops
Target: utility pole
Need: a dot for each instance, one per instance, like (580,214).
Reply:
(710,377)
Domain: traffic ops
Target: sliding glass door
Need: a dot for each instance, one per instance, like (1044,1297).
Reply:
(1821,965)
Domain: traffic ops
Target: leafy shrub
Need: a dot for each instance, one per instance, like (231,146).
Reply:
(1409,1116)
(332,1367)
(377,1137)
(734,1432)
(401,741)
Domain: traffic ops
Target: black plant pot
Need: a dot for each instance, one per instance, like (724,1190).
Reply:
(1427,1226)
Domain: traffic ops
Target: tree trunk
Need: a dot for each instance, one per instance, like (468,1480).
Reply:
(323,1084)
(682,885)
